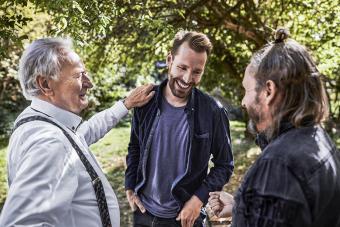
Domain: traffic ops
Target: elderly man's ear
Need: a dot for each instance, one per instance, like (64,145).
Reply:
(271,92)
(44,86)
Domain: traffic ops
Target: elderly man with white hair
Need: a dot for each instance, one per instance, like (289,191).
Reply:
(54,179)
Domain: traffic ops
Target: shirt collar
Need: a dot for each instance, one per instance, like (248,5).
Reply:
(262,141)
(69,119)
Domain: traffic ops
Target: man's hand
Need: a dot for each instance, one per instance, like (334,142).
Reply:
(221,203)
(139,96)
(190,212)
(134,201)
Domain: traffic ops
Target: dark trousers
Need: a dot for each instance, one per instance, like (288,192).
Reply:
(149,220)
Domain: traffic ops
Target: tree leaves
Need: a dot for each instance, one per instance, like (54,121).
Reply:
(134,34)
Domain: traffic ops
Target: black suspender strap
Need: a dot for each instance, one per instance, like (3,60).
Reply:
(96,182)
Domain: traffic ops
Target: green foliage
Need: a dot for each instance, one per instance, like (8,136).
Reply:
(120,40)
(11,21)
(16,24)
(3,176)
(134,34)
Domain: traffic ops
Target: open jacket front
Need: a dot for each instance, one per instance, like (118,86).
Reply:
(208,134)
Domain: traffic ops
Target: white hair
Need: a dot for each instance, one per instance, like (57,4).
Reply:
(43,57)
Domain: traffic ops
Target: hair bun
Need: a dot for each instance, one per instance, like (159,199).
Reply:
(281,34)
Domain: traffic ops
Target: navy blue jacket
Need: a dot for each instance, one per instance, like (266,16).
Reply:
(208,134)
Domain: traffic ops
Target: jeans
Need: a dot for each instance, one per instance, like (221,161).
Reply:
(149,220)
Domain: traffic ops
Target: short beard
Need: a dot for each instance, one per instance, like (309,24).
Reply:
(269,133)
(252,127)
(177,94)
(255,118)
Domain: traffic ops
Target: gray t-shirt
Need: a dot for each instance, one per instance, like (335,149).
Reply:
(167,161)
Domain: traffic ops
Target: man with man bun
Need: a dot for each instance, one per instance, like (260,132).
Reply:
(296,179)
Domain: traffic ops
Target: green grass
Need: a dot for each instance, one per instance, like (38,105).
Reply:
(111,149)
(110,152)
(3,176)
(245,152)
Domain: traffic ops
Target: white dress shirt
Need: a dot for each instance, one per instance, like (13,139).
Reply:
(48,184)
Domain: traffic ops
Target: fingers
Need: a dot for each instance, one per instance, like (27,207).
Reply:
(139,204)
(132,206)
(226,198)
(145,88)
(223,197)
(183,222)
(226,212)
(134,201)
(147,99)
(187,222)
(221,203)
(214,195)
(139,96)
(186,219)
(149,87)
(150,95)
(217,210)
(214,200)
(190,223)
(216,205)
(130,198)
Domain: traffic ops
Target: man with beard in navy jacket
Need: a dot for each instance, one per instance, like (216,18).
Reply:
(172,138)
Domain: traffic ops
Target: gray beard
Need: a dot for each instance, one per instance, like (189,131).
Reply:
(252,127)
(268,132)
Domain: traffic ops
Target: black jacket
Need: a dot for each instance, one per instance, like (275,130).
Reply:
(208,134)
(295,182)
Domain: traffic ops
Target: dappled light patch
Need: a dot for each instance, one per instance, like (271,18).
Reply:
(253,152)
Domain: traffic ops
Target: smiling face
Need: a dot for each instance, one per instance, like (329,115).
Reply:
(185,71)
(69,90)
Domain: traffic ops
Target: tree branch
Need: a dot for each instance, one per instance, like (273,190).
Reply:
(244,32)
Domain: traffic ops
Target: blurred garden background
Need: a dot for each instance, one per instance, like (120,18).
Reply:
(124,43)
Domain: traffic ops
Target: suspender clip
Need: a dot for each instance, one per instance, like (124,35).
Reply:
(96,181)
